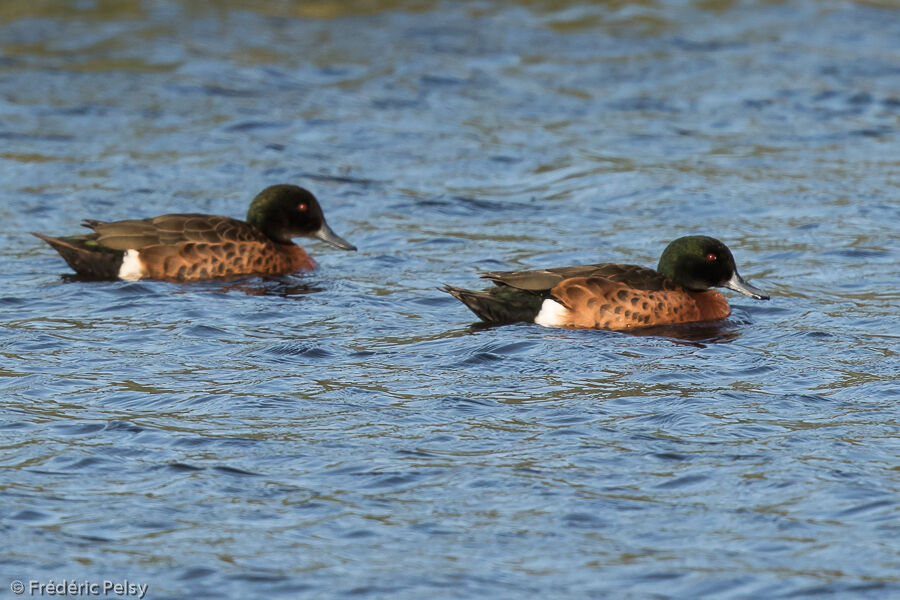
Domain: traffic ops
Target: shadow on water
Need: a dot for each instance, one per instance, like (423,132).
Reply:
(695,334)
(401,452)
(283,287)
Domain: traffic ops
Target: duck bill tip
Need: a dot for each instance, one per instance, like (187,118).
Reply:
(738,284)
(328,236)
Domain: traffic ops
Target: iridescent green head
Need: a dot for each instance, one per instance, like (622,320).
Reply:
(287,211)
(699,262)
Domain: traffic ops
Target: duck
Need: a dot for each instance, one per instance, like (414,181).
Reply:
(613,296)
(189,247)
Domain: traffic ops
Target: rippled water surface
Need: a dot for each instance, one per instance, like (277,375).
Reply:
(349,433)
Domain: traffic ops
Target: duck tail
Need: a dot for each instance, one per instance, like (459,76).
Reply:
(499,305)
(85,256)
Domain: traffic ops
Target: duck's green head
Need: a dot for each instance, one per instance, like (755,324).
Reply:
(287,211)
(699,262)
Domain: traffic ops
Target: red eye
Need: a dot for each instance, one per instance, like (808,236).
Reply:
(711,257)
(301,207)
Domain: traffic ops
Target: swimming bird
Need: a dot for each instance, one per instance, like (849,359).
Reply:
(200,247)
(616,296)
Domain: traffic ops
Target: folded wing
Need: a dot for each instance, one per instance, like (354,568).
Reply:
(172,230)
(634,276)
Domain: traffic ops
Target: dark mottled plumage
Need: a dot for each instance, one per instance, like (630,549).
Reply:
(197,247)
(617,296)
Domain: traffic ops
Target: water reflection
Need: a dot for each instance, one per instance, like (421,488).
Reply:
(283,287)
(697,334)
(441,133)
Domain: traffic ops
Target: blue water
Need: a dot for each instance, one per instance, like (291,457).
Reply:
(348,432)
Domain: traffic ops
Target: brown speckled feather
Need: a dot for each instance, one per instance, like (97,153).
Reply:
(617,296)
(199,261)
(603,303)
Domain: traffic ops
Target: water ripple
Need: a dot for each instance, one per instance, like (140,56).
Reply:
(351,432)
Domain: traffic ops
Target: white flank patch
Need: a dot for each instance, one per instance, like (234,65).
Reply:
(553,314)
(132,268)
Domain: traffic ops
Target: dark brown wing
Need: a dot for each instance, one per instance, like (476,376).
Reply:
(632,276)
(539,280)
(172,230)
(86,257)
